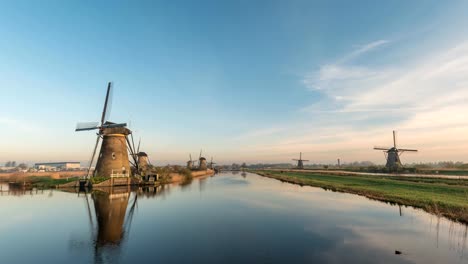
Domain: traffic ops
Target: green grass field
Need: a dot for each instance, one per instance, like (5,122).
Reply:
(48,182)
(439,196)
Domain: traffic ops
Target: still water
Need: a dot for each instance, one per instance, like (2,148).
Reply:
(228,218)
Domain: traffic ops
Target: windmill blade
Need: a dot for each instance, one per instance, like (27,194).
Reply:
(394,138)
(295,159)
(132,152)
(92,156)
(138,149)
(82,126)
(410,150)
(381,148)
(305,160)
(107,105)
(200,154)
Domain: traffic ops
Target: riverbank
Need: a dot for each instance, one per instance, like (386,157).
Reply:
(445,197)
(47,180)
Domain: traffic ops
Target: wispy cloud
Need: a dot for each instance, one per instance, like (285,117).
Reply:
(18,125)
(363,49)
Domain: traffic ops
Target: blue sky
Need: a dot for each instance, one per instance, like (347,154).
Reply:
(244,80)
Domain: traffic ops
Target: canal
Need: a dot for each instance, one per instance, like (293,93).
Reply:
(227,218)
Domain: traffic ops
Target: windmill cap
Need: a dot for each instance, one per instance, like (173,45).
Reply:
(116,130)
(142,154)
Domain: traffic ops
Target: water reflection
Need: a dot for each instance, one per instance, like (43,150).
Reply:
(110,221)
(229,218)
(15,189)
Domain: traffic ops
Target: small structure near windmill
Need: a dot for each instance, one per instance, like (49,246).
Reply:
(113,159)
(300,162)
(392,154)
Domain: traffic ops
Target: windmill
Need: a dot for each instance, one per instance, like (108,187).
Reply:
(392,155)
(211,163)
(190,163)
(202,162)
(142,161)
(300,161)
(113,157)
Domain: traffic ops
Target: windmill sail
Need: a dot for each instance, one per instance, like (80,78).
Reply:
(107,104)
(87,126)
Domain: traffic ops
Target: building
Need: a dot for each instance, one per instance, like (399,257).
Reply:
(50,166)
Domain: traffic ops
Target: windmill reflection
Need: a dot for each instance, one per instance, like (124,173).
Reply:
(110,210)
(110,224)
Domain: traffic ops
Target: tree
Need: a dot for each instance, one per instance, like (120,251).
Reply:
(22,166)
(244,165)
(13,164)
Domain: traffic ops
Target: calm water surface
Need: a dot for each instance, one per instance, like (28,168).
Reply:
(228,218)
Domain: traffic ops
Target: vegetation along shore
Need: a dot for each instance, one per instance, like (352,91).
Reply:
(445,197)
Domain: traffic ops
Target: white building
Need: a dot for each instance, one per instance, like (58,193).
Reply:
(51,166)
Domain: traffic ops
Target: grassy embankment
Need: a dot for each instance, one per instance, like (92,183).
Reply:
(47,182)
(444,197)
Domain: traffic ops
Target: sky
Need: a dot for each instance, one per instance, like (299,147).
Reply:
(253,81)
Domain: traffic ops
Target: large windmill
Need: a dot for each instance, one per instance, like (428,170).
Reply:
(113,158)
(392,154)
(300,161)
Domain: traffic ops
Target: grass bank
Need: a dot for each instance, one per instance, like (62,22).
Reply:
(48,182)
(444,197)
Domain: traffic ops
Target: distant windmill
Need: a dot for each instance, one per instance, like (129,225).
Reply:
(113,157)
(300,161)
(190,163)
(339,163)
(211,163)
(202,162)
(392,154)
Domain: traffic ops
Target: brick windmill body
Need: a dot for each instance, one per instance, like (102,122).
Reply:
(113,158)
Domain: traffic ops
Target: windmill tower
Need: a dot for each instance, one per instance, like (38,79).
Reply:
(392,154)
(190,163)
(300,162)
(202,162)
(113,157)
(143,161)
(211,163)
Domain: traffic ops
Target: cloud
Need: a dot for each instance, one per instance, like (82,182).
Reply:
(432,83)
(363,49)
(18,125)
